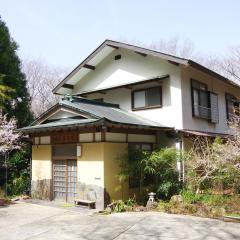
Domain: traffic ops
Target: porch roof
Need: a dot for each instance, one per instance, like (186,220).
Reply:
(188,133)
(60,124)
(98,113)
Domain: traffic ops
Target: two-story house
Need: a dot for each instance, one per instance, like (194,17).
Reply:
(123,96)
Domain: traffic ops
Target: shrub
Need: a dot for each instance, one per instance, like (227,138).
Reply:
(119,206)
(189,196)
(19,185)
(163,166)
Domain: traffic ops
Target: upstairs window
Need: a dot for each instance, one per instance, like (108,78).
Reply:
(204,102)
(201,107)
(232,107)
(147,98)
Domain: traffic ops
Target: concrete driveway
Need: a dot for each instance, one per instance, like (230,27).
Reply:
(35,222)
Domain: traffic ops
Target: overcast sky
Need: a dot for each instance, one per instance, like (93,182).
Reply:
(64,32)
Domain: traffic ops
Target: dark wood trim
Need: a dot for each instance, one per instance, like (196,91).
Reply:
(102,92)
(192,94)
(131,131)
(129,88)
(112,46)
(141,53)
(174,63)
(156,79)
(66,179)
(52,187)
(88,66)
(117,45)
(103,136)
(146,107)
(210,72)
(69,86)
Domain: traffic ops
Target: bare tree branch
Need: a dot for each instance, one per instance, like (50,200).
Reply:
(41,79)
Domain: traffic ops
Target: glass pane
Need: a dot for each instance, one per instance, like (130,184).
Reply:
(203,99)
(146,147)
(153,97)
(139,99)
(195,102)
(64,150)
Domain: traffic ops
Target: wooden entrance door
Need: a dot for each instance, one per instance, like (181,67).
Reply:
(64,179)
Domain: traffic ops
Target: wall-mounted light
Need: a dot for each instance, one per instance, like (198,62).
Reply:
(79,150)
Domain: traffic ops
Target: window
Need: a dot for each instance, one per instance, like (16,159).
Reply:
(135,150)
(147,98)
(200,99)
(232,106)
(204,102)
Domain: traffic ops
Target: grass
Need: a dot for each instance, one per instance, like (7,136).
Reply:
(232,215)
(203,205)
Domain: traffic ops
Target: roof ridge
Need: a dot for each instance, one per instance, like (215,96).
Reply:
(146,48)
(94,102)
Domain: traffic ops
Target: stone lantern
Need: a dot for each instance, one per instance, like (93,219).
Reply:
(151,197)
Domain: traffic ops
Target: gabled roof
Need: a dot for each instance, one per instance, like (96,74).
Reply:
(96,112)
(109,45)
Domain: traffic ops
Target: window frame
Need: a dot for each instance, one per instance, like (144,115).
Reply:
(199,90)
(133,179)
(145,90)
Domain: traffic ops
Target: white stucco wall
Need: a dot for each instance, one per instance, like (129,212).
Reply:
(176,108)
(131,68)
(214,85)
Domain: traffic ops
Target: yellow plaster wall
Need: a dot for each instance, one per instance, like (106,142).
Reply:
(91,173)
(112,151)
(91,164)
(41,162)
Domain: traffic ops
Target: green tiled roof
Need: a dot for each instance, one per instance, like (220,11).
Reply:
(60,124)
(97,112)
(111,112)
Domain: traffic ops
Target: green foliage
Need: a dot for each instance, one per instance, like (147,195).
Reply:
(203,205)
(19,172)
(164,162)
(18,186)
(4,92)
(189,196)
(15,102)
(123,174)
(156,170)
(130,202)
(13,78)
(120,206)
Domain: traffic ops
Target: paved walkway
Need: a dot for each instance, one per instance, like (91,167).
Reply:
(30,221)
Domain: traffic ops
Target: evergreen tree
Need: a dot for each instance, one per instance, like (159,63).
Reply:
(17,103)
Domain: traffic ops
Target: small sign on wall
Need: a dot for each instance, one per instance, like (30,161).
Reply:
(79,150)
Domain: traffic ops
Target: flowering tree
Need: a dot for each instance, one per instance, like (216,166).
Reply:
(9,139)
(215,165)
